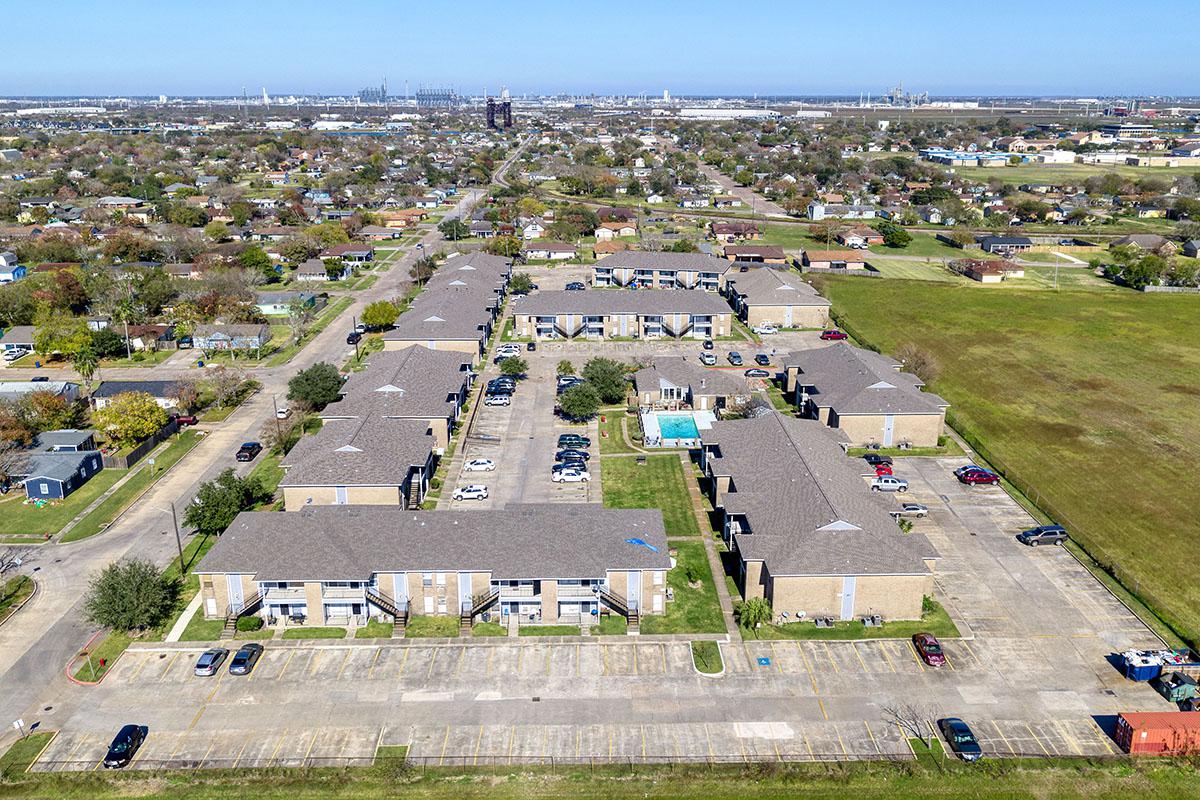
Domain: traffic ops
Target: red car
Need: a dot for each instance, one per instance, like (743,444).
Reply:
(186,419)
(975,476)
(833,336)
(883,469)
(929,649)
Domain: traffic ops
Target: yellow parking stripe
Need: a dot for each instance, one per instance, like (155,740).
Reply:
(374,661)
(478,742)
(279,744)
(342,668)
(1011,750)
(1036,739)
(167,671)
(279,677)
(871,734)
(829,654)
(311,742)
(858,655)
(403,661)
(822,707)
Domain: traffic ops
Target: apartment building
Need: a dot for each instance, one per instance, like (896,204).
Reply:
(674,382)
(864,395)
(784,299)
(662,270)
(807,532)
(644,314)
(539,564)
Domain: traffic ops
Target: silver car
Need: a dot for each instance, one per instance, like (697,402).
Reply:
(209,661)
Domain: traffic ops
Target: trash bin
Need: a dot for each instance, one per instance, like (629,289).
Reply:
(37,364)
(1176,687)
(199,363)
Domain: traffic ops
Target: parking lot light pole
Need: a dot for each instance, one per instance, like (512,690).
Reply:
(178,538)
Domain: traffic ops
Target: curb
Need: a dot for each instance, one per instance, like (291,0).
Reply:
(710,674)
(37,587)
(69,672)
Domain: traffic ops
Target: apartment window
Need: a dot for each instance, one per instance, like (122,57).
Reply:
(427,579)
(44,488)
(658,577)
(441,579)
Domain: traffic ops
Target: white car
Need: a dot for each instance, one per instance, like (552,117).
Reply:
(497,400)
(472,492)
(708,359)
(508,350)
(479,465)
(15,354)
(763,330)
(571,476)
(283,412)
(886,483)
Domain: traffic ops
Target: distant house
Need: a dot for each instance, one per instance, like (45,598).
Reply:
(612,230)
(1150,242)
(727,232)
(15,390)
(755,253)
(554,251)
(1005,244)
(834,259)
(1191,248)
(379,233)
(726,201)
(280,303)
(163,392)
(354,253)
(533,230)
(152,337)
(483,229)
(231,337)
(10,270)
(18,337)
(55,474)
(428,202)
(673,382)
(989,271)
(860,237)
(818,211)
(315,270)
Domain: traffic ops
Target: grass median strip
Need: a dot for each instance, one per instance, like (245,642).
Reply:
(22,753)
(315,633)
(707,657)
(13,592)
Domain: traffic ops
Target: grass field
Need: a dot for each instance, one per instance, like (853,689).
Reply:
(421,626)
(926,778)
(695,608)
(17,517)
(1064,173)
(1088,400)
(656,484)
(707,657)
(614,442)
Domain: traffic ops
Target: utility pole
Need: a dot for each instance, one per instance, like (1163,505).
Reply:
(178,539)
(357,356)
(278,427)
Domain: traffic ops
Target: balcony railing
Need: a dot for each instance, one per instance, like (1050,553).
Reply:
(284,595)
(575,591)
(516,591)
(342,593)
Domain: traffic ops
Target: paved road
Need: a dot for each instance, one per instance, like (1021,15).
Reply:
(37,643)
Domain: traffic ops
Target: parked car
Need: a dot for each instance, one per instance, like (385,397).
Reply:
(912,510)
(353,337)
(498,399)
(833,336)
(360,328)
(756,372)
(479,465)
(1043,534)
(245,658)
(929,649)
(571,476)
(209,661)
(765,329)
(184,343)
(574,440)
(763,360)
(974,476)
(883,469)
(708,344)
(576,286)
(887,483)
(961,739)
(874,459)
(569,464)
(473,492)
(183,420)
(283,412)
(564,455)
(567,380)
(39,379)
(15,354)
(734,358)
(707,359)
(248,451)
(125,746)
(531,346)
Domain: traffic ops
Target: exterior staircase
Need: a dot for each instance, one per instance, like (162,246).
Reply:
(621,606)
(478,606)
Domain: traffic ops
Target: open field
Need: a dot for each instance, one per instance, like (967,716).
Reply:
(1087,400)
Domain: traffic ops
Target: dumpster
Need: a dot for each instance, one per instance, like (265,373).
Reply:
(1146,665)
(1175,686)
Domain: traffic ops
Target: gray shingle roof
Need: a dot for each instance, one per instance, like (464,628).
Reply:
(414,382)
(152,388)
(60,466)
(614,301)
(851,380)
(518,542)
(678,371)
(679,262)
(772,287)
(371,451)
(806,504)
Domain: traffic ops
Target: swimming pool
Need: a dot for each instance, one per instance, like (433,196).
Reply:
(661,429)
(678,426)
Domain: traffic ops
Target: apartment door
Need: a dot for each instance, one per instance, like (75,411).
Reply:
(849,584)
(340,497)
(787,316)
(428,604)
(889,423)
(464,591)
(236,601)
(634,582)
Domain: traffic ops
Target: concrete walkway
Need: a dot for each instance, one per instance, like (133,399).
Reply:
(184,618)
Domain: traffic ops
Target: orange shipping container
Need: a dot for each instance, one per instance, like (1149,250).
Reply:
(1159,733)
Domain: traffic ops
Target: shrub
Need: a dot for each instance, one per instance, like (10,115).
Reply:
(250,623)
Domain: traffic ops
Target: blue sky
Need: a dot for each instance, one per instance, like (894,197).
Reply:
(137,47)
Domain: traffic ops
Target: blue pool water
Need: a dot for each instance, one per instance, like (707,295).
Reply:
(678,426)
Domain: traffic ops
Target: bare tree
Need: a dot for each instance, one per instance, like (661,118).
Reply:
(225,383)
(13,558)
(916,721)
(919,362)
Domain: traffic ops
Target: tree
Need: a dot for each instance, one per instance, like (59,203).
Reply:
(520,283)
(507,246)
(255,259)
(607,377)
(684,246)
(86,362)
(918,361)
(565,367)
(220,500)
(47,411)
(107,343)
(423,269)
(130,417)
(317,386)
(224,383)
(580,402)
(380,315)
(217,231)
(753,612)
(514,366)
(826,231)
(743,177)
(57,331)
(897,237)
(454,229)
(186,394)
(299,314)
(130,595)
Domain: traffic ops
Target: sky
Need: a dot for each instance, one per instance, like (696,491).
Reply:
(215,47)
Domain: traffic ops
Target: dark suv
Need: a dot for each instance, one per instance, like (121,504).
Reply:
(248,451)
(974,476)
(1043,534)
(125,746)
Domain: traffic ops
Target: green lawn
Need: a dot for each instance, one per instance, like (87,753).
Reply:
(934,620)
(22,753)
(611,625)
(919,271)
(614,442)
(200,629)
(706,656)
(145,474)
(1062,173)
(431,627)
(17,517)
(1088,400)
(13,592)
(946,446)
(659,483)
(314,633)
(374,629)
(488,629)
(695,608)
(548,630)
(922,244)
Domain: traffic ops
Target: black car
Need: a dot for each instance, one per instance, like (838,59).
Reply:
(708,344)
(576,286)
(354,337)
(762,359)
(1043,534)
(39,379)
(565,455)
(244,659)
(125,746)
(574,440)
(248,451)
(755,372)
(502,383)
(960,738)
(735,358)
(874,459)
(531,346)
